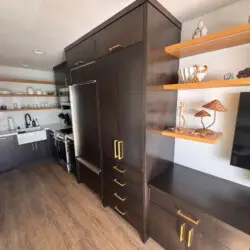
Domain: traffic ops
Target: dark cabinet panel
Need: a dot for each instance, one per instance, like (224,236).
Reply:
(52,145)
(42,150)
(108,107)
(166,228)
(27,153)
(9,153)
(200,241)
(83,73)
(125,31)
(130,94)
(82,53)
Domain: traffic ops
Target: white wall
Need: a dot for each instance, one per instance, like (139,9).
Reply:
(215,159)
(43,116)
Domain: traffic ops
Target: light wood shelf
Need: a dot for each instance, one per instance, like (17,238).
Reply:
(203,85)
(25,95)
(25,81)
(210,139)
(235,36)
(26,109)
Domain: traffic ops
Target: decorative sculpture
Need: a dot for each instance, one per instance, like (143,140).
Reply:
(200,31)
(216,106)
(201,114)
(229,76)
(182,120)
(244,73)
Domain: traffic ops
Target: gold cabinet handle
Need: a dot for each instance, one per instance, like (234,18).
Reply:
(119,183)
(119,197)
(182,232)
(115,149)
(119,170)
(120,150)
(117,46)
(119,211)
(190,237)
(196,222)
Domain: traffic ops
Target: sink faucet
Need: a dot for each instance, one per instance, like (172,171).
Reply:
(27,123)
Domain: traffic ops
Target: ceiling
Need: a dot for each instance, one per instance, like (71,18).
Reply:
(51,25)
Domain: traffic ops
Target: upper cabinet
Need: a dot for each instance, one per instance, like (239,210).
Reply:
(82,53)
(124,32)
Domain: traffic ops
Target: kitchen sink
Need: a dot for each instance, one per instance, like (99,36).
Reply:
(31,136)
(27,130)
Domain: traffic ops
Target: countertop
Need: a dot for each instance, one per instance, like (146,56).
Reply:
(222,199)
(54,127)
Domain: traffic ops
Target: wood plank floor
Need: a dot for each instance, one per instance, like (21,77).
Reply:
(43,207)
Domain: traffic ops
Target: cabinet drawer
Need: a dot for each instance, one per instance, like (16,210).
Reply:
(124,201)
(126,212)
(210,226)
(123,185)
(125,31)
(82,53)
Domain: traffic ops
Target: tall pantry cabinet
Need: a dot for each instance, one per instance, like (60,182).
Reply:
(129,55)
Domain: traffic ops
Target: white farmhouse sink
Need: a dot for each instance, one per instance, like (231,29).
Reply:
(31,137)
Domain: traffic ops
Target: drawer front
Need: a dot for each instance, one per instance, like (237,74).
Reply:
(81,53)
(127,185)
(126,202)
(210,226)
(122,33)
(126,211)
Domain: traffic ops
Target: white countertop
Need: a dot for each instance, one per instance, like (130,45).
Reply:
(56,126)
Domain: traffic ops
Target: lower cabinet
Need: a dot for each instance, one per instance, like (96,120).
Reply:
(9,153)
(52,145)
(176,233)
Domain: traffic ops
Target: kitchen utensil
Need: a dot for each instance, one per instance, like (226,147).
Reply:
(30,90)
(11,123)
(193,74)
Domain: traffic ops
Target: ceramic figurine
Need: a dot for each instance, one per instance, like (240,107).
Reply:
(182,120)
(200,31)
(229,76)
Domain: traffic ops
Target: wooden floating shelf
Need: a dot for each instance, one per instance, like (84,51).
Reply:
(26,109)
(203,85)
(235,36)
(26,95)
(25,81)
(210,139)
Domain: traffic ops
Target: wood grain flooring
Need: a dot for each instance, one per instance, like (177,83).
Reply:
(43,208)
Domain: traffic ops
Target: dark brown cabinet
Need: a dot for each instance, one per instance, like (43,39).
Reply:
(126,31)
(123,53)
(82,53)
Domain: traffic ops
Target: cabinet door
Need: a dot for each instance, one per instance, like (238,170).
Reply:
(9,153)
(108,106)
(130,94)
(41,148)
(52,145)
(164,228)
(200,241)
(82,53)
(27,154)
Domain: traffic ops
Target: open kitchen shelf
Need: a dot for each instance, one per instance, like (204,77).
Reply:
(26,95)
(210,139)
(220,40)
(19,80)
(203,85)
(26,109)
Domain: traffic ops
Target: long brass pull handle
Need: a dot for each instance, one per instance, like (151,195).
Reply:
(190,237)
(119,197)
(182,232)
(120,150)
(115,149)
(119,183)
(119,211)
(117,46)
(196,222)
(119,170)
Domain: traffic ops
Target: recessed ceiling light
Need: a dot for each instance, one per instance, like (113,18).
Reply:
(25,65)
(38,51)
